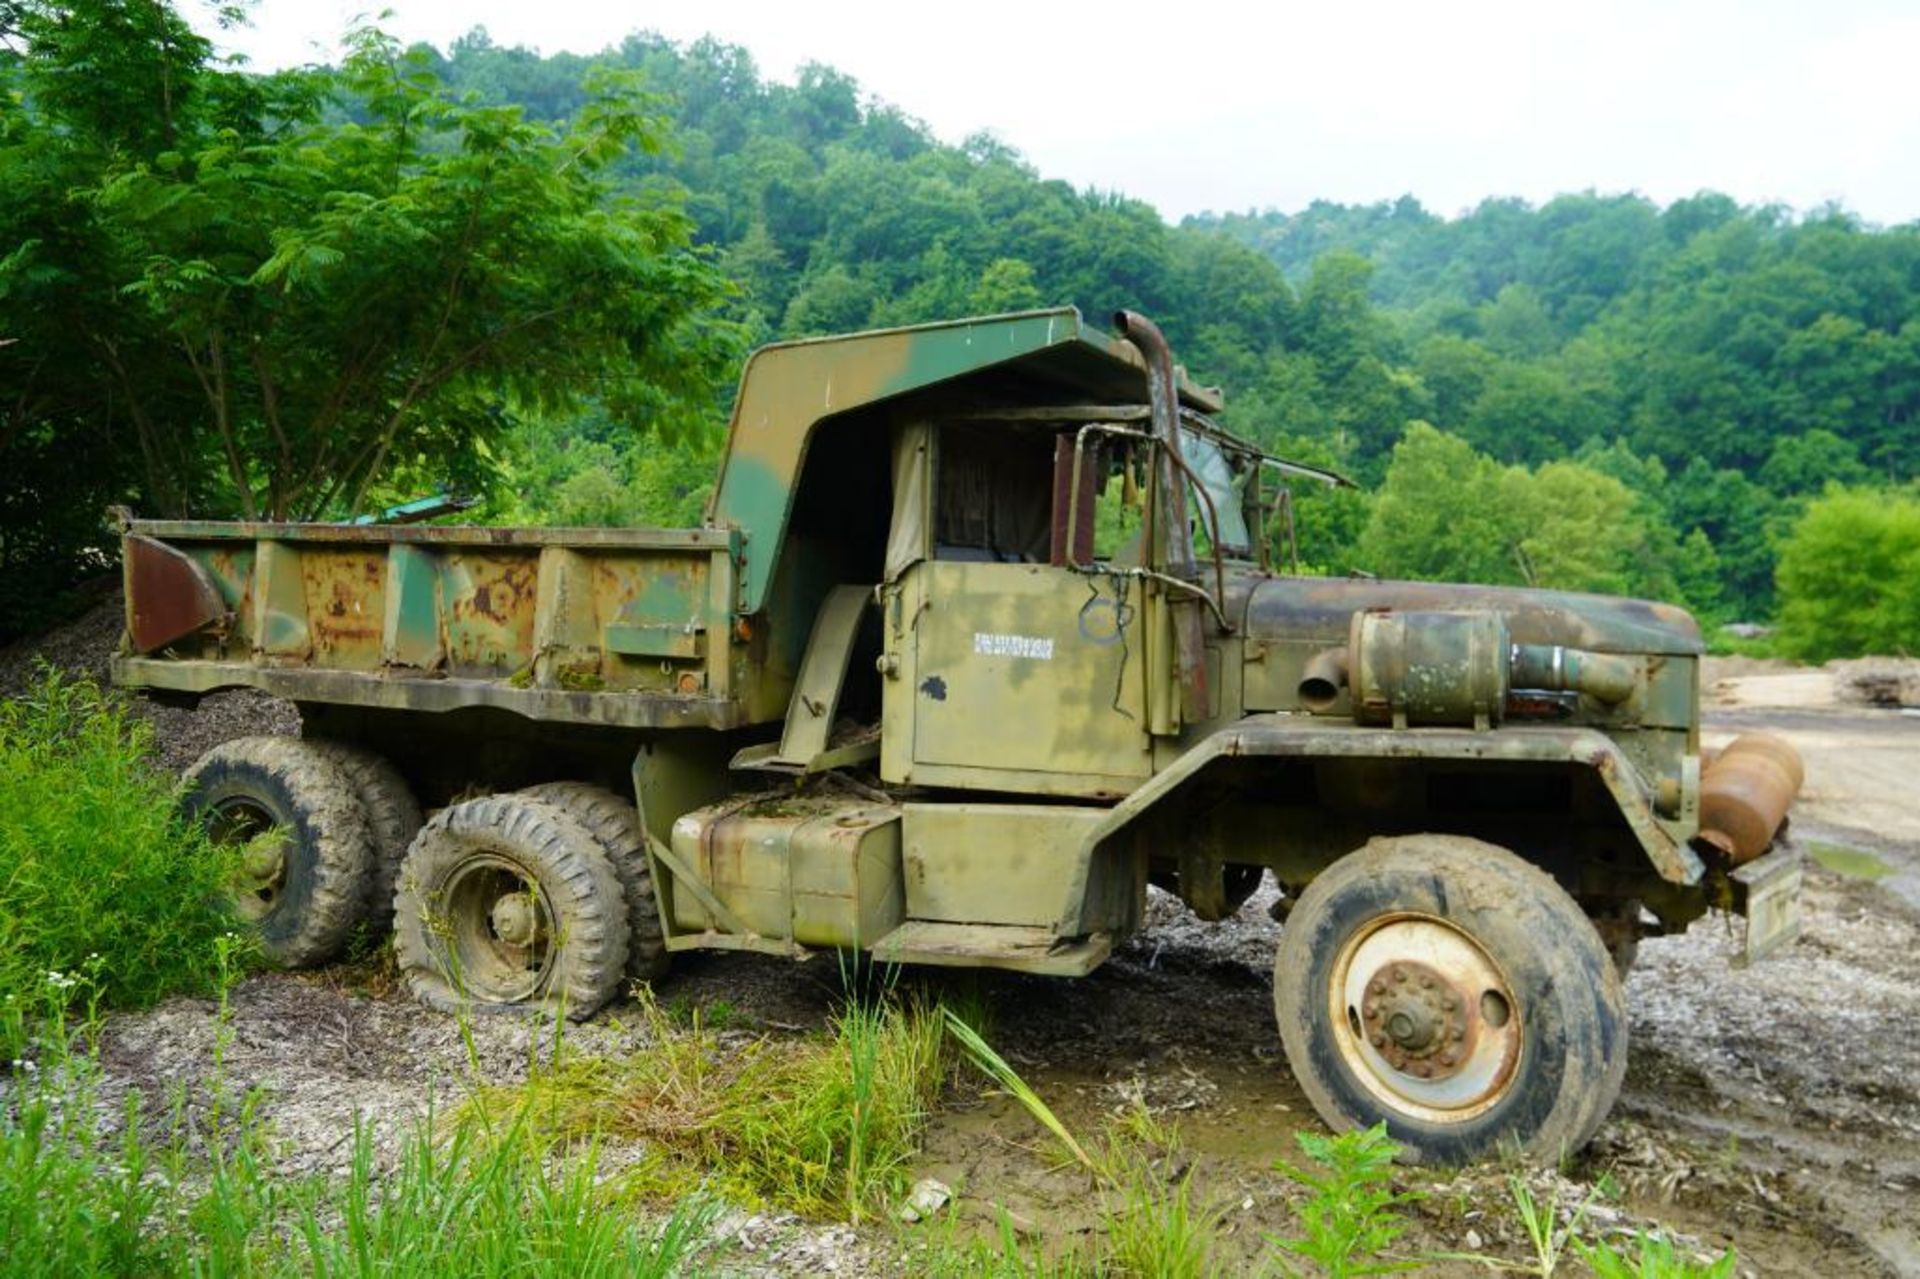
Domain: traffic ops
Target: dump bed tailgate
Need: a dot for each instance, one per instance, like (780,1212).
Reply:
(630,627)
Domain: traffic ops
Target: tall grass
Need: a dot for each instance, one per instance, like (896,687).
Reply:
(163,1197)
(823,1125)
(98,870)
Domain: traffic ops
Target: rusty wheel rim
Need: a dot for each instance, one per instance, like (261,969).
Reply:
(498,930)
(259,845)
(1425,1019)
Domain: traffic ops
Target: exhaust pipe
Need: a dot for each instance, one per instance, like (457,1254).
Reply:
(1170,513)
(1325,675)
(1745,793)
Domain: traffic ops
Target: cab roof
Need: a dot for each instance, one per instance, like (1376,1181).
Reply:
(790,390)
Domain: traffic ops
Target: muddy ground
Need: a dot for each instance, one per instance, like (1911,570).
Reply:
(1775,1108)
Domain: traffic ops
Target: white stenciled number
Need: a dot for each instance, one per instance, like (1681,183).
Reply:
(1032,646)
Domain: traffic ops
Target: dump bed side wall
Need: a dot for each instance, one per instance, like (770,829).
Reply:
(594,625)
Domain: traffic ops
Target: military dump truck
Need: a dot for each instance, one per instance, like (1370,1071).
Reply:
(983,633)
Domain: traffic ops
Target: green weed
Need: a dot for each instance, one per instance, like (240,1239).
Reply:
(1152,1222)
(97,866)
(822,1126)
(1653,1257)
(465,1206)
(997,1068)
(1001,1255)
(1353,1216)
(200,1196)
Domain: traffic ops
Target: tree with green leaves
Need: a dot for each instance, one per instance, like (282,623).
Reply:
(1850,576)
(281,313)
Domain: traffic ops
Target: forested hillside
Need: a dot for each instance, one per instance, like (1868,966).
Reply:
(1608,394)
(1655,394)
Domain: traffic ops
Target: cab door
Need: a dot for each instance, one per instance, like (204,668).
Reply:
(1010,671)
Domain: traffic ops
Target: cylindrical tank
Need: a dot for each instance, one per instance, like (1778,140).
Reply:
(1428,668)
(1745,794)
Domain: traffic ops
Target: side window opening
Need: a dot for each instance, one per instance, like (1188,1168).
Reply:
(993,496)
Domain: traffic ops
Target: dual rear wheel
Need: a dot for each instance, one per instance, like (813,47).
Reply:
(541,900)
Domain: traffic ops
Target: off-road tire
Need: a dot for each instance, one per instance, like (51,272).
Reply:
(616,824)
(393,818)
(1567,1000)
(287,784)
(449,947)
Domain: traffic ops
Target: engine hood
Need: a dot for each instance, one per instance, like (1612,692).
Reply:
(1319,610)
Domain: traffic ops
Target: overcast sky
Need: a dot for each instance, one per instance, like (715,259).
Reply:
(1210,105)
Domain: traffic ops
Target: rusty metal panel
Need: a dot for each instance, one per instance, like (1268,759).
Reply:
(488,610)
(168,595)
(1027,667)
(279,604)
(1018,864)
(344,596)
(1318,611)
(411,631)
(818,870)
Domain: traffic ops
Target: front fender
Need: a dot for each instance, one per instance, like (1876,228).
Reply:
(1290,736)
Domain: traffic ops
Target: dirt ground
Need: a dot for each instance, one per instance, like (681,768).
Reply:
(1775,1108)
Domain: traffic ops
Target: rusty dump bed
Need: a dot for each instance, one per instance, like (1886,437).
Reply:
(628,627)
(641,628)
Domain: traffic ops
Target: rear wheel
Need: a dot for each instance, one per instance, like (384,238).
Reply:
(508,904)
(393,819)
(302,853)
(616,824)
(1453,991)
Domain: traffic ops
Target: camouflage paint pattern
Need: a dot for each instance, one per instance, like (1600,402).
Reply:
(789,389)
(999,681)
(547,623)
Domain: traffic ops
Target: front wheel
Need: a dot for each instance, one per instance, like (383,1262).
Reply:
(1453,991)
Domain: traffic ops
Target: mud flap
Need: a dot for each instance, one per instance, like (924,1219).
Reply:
(1767,892)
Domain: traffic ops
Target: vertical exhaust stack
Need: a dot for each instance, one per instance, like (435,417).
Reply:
(1163,406)
(1745,793)
(1170,508)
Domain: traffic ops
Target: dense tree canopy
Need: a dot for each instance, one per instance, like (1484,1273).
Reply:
(553,264)
(1719,365)
(283,297)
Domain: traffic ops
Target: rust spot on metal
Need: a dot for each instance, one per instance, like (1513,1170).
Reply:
(169,597)
(1745,795)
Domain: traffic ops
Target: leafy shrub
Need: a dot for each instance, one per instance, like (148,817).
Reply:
(98,869)
(1354,1215)
(1849,576)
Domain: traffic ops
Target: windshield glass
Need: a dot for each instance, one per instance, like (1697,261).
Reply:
(1211,467)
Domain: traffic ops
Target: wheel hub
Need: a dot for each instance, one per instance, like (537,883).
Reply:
(515,919)
(1415,1019)
(264,861)
(1424,1018)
